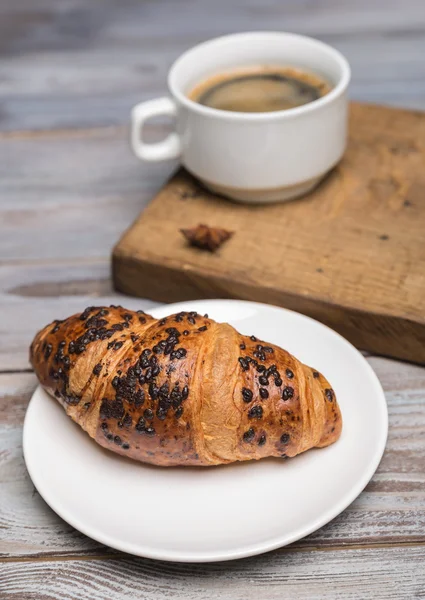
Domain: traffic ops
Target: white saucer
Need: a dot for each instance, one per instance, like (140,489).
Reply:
(216,513)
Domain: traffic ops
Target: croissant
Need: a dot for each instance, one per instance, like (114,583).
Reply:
(182,390)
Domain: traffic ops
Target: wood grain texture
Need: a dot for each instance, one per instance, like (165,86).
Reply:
(390,511)
(348,574)
(74,63)
(70,195)
(350,254)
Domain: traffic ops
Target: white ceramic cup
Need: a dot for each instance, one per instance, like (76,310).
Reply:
(251,157)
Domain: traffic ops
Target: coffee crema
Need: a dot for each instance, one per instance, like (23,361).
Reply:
(260,89)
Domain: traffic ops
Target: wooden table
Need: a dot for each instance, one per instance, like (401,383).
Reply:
(70,72)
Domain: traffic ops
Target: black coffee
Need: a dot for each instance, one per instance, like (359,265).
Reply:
(260,89)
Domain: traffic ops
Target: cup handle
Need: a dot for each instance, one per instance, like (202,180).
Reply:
(168,148)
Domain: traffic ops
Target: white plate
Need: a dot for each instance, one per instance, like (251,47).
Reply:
(216,513)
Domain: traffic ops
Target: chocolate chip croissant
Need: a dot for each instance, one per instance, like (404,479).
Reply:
(182,390)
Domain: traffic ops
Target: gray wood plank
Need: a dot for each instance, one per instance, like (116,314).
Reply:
(390,511)
(70,195)
(378,574)
(76,63)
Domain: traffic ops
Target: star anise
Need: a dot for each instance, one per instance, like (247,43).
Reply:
(205,237)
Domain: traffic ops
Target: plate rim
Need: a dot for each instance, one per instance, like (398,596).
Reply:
(248,550)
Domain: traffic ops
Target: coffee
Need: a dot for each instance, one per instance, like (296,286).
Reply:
(260,89)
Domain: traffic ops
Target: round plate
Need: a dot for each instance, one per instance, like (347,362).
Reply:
(216,513)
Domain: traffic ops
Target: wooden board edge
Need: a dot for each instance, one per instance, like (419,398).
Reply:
(386,335)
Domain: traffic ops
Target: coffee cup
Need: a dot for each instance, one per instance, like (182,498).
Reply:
(251,156)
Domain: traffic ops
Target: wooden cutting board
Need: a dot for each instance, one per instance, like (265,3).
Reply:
(351,254)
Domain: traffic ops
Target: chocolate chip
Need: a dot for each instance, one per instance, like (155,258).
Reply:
(179,412)
(139,398)
(127,421)
(329,394)
(185,332)
(242,346)
(168,349)
(284,438)
(264,393)
(117,440)
(261,368)
(253,338)
(287,393)
(161,413)
(249,435)
(84,315)
(111,409)
(148,414)
(140,426)
(256,412)
(125,446)
(268,349)
(104,426)
(204,328)
(316,375)
(97,369)
(164,390)
(263,380)
(150,431)
(246,395)
(144,361)
(289,373)
(185,392)
(244,364)
(278,382)
(262,439)
(176,397)
(153,391)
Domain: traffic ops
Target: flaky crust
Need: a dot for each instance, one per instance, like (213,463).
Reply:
(182,390)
